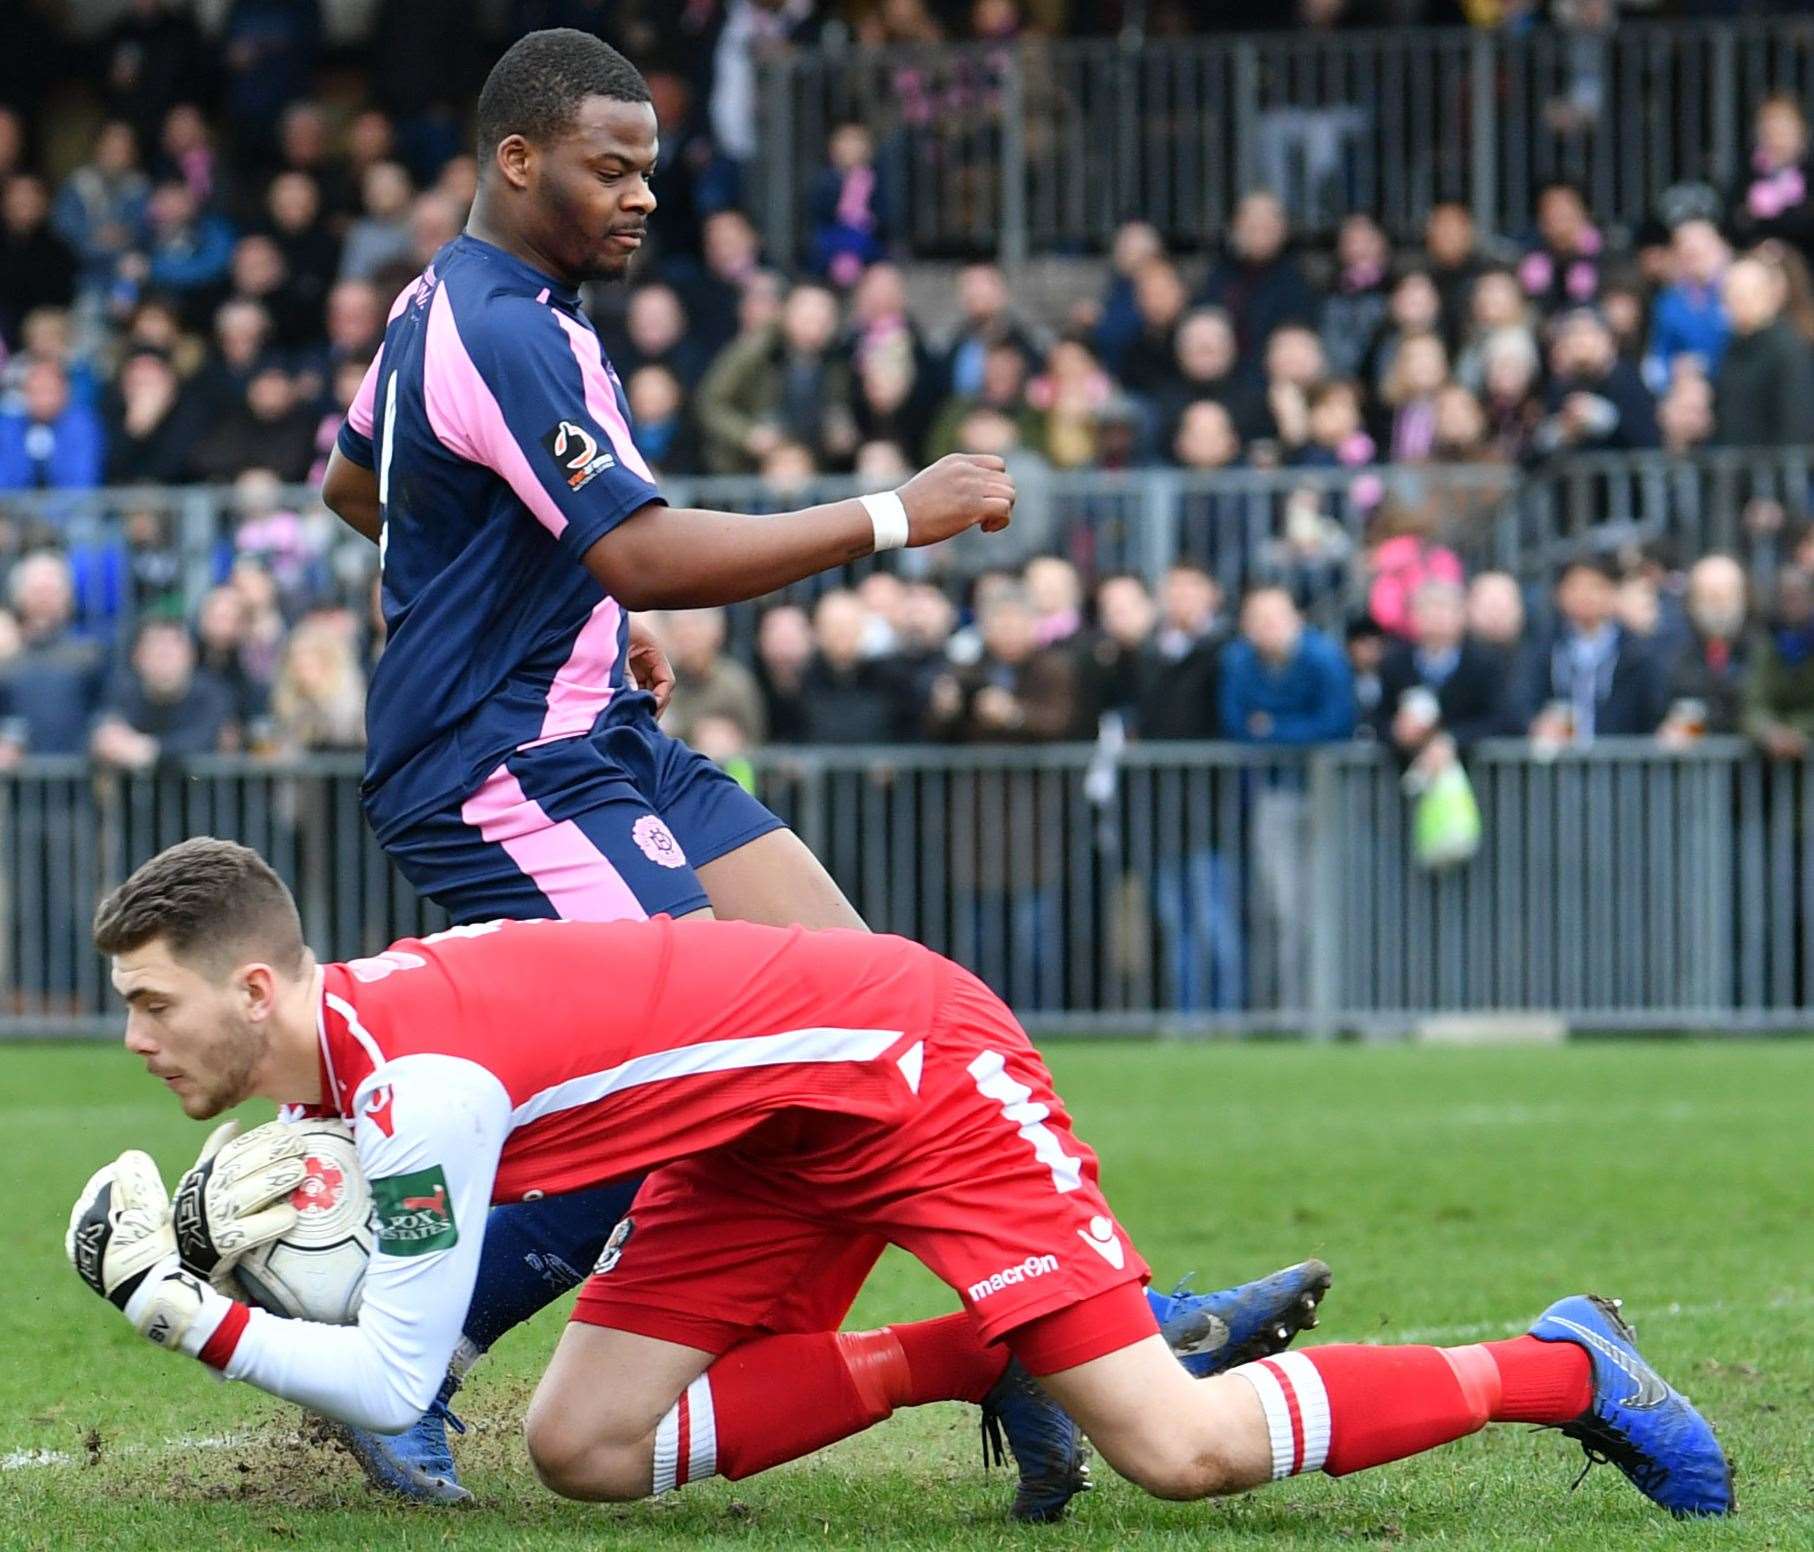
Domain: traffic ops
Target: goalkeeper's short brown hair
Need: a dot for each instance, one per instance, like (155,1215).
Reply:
(216,903)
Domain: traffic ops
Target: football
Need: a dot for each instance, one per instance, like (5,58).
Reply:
(317,1270)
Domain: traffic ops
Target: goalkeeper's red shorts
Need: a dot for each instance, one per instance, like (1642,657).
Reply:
(986,1183)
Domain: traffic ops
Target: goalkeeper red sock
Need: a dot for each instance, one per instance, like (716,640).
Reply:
(780,1397)
(1343,1408)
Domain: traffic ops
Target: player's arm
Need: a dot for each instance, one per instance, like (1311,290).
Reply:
(350,492)
(431,1181)
(681,558)
(349,489)
(541,411)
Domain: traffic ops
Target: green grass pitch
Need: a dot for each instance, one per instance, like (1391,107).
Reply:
(1454,1192)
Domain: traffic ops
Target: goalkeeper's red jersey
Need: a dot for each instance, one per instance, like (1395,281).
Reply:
(509,1060)
(624,1045)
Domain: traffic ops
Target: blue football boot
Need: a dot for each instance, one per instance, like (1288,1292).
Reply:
(1047,1446)
(1638,1421)
(416,1464)
(1211,1332)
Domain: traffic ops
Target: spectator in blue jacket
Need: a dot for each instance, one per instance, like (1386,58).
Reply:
(1287,684)
(49,691)
(187,250)
(50,443)
(1688,317)
(1284,682)
(101,205)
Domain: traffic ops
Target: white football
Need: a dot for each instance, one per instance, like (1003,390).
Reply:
(317,1270)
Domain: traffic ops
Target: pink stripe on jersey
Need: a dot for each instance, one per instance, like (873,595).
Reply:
(464,414)
(575,875)
(601,397)
(359,412)
(582,685)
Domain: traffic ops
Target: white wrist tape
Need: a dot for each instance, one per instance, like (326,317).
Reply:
(888,516)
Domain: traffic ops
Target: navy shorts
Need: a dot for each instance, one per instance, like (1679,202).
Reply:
(597,828)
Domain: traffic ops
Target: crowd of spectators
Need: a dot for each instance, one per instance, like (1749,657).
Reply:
(193,292)
(1435,663)
(1647,650)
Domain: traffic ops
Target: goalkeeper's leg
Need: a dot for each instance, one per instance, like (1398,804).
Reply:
(534,1252)
(673,1414)
(1343,1408)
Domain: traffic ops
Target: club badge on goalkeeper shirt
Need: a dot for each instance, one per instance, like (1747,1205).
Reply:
(414,1214)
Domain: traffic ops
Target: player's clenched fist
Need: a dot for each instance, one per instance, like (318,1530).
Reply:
(961,490)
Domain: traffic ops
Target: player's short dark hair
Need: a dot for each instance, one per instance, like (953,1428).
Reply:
(538,83)
(212,901)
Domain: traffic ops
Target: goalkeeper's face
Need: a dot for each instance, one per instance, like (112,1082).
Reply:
(204,1035)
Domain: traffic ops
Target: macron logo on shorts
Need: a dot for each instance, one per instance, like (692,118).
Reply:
(1033,1266)
(1100,1237)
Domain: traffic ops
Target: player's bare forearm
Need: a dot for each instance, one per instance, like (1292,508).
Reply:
(679,558)
(351,494)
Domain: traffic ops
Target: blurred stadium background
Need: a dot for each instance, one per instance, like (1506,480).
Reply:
(1446,370)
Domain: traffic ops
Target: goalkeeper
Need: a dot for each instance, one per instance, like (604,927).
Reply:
(801,1099)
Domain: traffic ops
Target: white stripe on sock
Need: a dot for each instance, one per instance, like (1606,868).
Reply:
(1313,1406)
(1278,1415)
(702,1455)
(667,1449)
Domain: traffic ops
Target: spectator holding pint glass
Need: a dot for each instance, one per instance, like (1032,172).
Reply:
(1707,682)
(1588,677)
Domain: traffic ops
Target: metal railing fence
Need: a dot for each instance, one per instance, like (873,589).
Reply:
(1042,146)
(134,549)
(1182,888)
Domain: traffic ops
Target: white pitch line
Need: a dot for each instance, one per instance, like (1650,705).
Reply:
(18,1460)
(23,1460)
(1498,1328)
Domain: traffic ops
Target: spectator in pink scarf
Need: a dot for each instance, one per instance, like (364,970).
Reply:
(187,154)
(1419,372)
(1771,198)
(1563,269)
(848,230)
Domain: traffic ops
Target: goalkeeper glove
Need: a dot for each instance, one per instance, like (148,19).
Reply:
(122,1245)
(236,1197)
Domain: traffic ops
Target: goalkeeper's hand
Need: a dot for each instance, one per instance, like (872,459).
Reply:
(122,1245)
(236,1197)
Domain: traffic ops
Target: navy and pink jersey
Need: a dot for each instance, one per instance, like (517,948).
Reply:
(501,440)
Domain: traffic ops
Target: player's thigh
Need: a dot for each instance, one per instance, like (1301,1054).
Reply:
(578,822)
(775,879)
(752,866)
(604,1391)
(1175,1436)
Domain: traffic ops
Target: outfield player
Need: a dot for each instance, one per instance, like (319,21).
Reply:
(514,766)
(804,1097)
